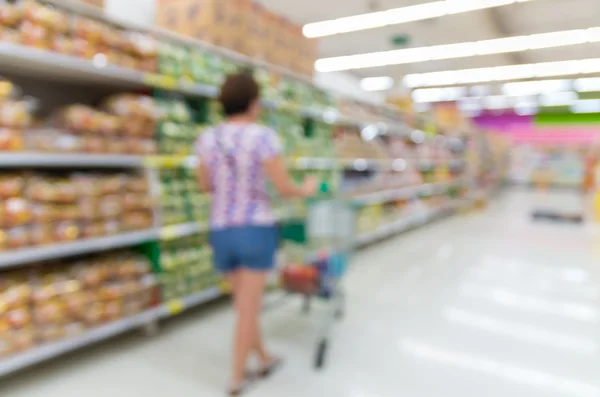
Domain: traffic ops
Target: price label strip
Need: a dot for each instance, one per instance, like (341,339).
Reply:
(169,233)
(225,287)
(175,307)
(164,161)
(162,82)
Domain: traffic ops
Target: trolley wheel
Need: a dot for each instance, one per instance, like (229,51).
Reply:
(321,354)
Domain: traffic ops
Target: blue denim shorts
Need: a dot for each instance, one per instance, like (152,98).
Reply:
(249,247)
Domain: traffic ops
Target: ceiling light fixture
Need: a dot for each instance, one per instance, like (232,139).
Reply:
(586,106)
(428,95)
(383,83)
(558,98)
(459,50)
(591,84)
(398,16)
(503,73)
(536,87)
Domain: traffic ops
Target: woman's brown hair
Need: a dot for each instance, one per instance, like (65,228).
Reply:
(238,93)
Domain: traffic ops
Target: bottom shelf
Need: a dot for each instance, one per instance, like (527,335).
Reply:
(51,350)
(174,307)
(177,306)
(409,222)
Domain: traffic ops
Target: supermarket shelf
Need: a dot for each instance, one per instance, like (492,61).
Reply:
(34,254)
(81,8)
(403,193)
(313,163)
(399,164)
(28,159)
(183,230)
(414,220)
(49,351)
(28,61)
(177,306)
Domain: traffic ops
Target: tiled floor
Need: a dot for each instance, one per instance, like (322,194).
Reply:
(481,305)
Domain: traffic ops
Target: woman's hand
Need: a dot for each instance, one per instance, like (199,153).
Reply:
(310,186)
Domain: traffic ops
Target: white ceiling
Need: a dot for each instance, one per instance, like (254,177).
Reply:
(539,16)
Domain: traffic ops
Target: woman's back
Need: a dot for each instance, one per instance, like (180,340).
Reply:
(234,154)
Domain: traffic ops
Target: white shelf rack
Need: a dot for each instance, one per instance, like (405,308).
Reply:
(81,8)
(52,350)
(406,223)
(182,230)
(179,305)
(49,351)
(27,61)
(404,193)
(68,160)
(14,258)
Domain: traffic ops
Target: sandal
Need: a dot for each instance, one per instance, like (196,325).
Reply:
(239,389)
(269,369)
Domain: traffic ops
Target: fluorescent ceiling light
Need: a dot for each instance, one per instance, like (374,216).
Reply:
(496,102)
(398,16)
(429,95)
(383,83)
(525,108)
(459,50)
(587,85)
(586,106)
(480,90)
(470,106)
(558,98)
(536,87)
(503,73)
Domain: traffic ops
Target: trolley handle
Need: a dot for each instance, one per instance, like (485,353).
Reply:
(323,190)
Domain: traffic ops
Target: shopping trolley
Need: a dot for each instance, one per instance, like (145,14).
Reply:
(326,235)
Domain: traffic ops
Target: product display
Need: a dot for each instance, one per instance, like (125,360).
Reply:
(150,201)
(181,199)
(35,24)
(124,124)
(178,131)
(186,267)
(242,26)
(46,208)
(62,300)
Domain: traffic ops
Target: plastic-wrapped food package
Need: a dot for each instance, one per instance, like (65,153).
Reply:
(8,35)
(16,114)
(52,140)
(14,212)
(53,19)
(10,15)
(11,185)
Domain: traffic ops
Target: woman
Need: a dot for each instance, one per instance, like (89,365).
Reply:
(236,160)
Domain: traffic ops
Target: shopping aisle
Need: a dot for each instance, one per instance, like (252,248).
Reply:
(487,304)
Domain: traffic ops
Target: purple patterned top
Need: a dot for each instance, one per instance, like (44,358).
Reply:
(234,154)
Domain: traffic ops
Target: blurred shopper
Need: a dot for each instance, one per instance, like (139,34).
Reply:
(237,158)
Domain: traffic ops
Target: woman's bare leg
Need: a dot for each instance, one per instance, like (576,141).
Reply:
(248,296)
(257,345)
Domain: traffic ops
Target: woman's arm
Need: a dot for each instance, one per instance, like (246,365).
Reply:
(278,174)
(203,176)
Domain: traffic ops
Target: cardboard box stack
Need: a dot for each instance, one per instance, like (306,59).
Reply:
(243,26)
(97,3)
